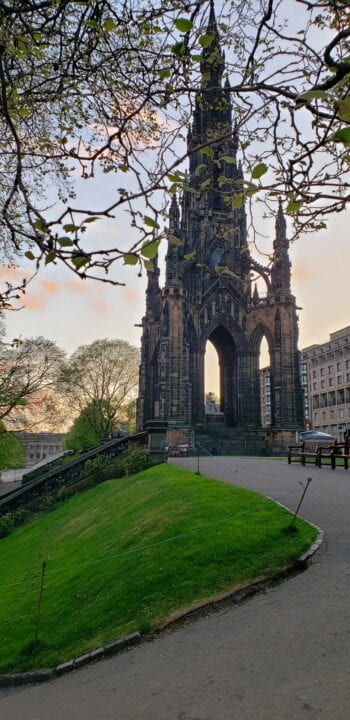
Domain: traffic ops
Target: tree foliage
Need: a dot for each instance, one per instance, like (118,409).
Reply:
(96,88)
(101,379)
(93,425)
(12,451)
(28,373)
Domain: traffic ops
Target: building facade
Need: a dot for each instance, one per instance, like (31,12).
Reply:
(208,294)
(325,373)
(41,446)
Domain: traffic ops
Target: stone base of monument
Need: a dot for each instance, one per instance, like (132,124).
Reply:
(215,418)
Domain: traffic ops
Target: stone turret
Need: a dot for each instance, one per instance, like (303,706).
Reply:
(281,267)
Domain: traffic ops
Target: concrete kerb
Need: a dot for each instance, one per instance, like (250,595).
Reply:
(237,595)
(38,676)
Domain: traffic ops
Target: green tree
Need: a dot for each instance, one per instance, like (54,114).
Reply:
(102,87)
(12,451)
(28,372)
(90,428)
(102,376)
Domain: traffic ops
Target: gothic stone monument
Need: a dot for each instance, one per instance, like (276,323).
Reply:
(208,294)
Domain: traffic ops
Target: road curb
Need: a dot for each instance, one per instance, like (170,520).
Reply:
(39,676)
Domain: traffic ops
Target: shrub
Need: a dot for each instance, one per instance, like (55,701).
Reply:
(135,459)
(100,469)
(6,524)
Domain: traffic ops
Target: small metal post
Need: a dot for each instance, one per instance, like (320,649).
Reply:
(39,603)
(301,500)
(198,471)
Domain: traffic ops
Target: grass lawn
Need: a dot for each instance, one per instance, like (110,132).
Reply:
(127,554)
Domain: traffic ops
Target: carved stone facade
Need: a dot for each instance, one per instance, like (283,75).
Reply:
(208,294)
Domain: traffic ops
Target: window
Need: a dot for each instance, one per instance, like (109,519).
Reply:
(314,386)
(323,384)
(330,382)
(330,369)
(339,379)
(341,412)
(332,414)
(347,364)
(314,373)
(322,372)
(339,366)
(348,377)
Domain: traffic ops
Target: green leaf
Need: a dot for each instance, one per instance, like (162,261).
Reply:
(149,265)
(109,25)
(89,220)
(342,135)
(190,256)
(130,259)
(175,178)
(164,73)
(259,171)
(183,24)
(93,24)
(344,109)
(174,240)
(237,201)
(229,159)
(40,225)
(293,207)
(149,249)
(49,258)
(79,260)
(313,95)
(65,241)
(179,48)
(200,169)
(70,227)
(173,188)
(208,151)
(150,222)
(206,40)
(29,255)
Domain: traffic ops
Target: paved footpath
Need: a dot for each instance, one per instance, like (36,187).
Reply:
(282,655)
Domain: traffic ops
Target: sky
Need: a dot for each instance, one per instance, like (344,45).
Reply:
(72,312)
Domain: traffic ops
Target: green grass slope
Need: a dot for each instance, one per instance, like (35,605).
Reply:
(129,553)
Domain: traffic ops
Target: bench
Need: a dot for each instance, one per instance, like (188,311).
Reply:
(178,450)
(311,450)
(340,454)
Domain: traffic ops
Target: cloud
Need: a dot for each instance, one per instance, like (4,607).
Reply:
(132,296)
(77,286)
(99,306)
(301,271)
(34,301)
(13,274)
(51,287)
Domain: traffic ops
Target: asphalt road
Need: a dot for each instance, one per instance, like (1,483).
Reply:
(282,655)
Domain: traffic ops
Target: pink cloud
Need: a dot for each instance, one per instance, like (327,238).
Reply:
(301,271)
(131,295)
(99,306)
(75,285)
(51,287)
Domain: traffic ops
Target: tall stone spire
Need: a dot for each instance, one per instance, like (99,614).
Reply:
(153,293)
(281,268)
(173,257)
(213,59)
